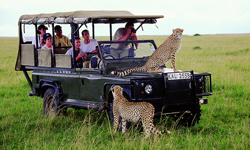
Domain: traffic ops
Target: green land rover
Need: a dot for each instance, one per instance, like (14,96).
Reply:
(57,79)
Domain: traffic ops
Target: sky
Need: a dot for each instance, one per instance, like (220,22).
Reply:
(194,16)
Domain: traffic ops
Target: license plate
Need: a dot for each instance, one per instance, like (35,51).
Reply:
(179,76)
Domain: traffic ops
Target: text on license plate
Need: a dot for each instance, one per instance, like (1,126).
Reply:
(178,76)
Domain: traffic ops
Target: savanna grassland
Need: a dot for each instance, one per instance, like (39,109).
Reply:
(224,121)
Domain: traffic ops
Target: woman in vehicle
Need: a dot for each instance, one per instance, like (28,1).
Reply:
(47,39)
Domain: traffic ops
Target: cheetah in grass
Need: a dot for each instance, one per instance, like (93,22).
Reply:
(133,111)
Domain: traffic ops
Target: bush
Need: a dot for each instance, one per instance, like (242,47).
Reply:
(197,34)
(197,47)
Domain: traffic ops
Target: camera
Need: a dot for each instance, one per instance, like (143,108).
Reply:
(133,30)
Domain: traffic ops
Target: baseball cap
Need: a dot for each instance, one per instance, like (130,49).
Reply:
(46,35)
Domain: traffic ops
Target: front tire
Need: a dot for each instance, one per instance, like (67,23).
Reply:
(51,103)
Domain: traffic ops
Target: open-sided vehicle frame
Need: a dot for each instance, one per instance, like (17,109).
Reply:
(61,84)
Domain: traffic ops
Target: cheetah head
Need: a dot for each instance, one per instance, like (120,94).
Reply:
(116,89)
(177,33)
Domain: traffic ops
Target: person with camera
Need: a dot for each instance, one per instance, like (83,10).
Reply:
(123,34)
(127,33)
(41,31)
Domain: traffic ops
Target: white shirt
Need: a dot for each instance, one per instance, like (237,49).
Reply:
(88,48)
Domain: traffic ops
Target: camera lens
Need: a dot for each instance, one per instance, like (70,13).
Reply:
(133,30)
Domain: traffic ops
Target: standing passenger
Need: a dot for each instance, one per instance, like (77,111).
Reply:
(123,34)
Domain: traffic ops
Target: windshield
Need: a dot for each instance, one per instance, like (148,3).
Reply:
(126,49)
(122,55)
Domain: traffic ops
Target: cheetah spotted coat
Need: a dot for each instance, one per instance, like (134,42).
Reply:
(162,55)
(133,111)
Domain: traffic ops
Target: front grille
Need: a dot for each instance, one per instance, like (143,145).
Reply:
(203,84)
(179,90)
(138,88)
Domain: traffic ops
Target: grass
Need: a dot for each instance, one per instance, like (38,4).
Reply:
(224,122)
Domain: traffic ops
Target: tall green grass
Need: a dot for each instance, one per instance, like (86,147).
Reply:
(224,122)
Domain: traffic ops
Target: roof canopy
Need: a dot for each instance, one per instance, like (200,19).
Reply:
(87,17)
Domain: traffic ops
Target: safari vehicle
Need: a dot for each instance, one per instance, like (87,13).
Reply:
(57,80)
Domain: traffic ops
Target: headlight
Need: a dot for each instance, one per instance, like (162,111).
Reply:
(148,89)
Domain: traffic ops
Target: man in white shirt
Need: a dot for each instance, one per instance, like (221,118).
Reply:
(88,45)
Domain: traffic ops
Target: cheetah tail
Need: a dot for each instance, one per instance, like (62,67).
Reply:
(120,74)
(127,72)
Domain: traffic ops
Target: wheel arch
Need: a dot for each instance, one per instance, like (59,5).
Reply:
(45,84)
(126,92)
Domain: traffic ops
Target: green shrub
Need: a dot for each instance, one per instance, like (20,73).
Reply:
(197,47)
(197,34)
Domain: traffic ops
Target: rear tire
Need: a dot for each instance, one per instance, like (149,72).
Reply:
(51,103)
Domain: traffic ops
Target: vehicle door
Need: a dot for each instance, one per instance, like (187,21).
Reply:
(91,85)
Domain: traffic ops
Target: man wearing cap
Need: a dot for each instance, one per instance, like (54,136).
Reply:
(60,39)
(41,31)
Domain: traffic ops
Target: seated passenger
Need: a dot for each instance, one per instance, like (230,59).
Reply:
(47,40)
(41,31)
(79,53)
(88,45)
(60,39)
(123,34)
